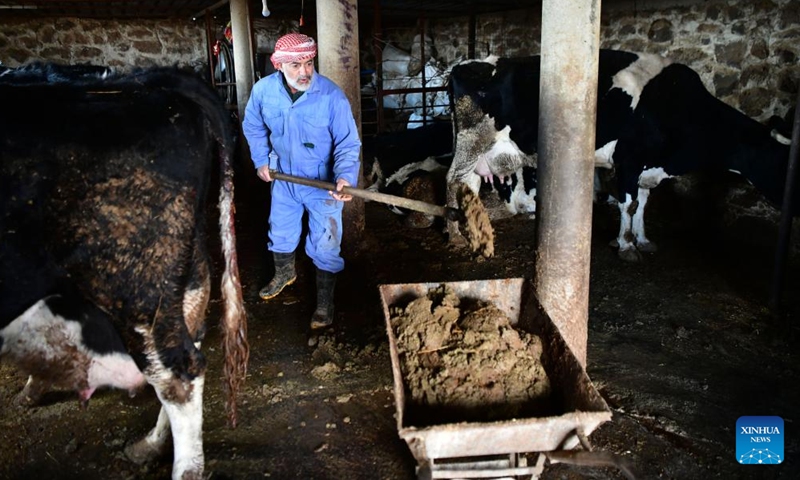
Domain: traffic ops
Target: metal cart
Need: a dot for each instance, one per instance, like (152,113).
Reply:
(501,449)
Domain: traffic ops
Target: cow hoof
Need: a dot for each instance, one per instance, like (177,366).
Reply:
(630,255)
(142,452)
(614,243)
(458,241)
(192,475)
(24,400)
(647,247)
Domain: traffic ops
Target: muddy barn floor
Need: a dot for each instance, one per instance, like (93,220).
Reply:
(680,346)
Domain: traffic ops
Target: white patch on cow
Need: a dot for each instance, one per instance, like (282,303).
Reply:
(491,59)
(57,343)
(633,226)
(116,370)
(186,421)
(604,156)
(633,79)
(625,225)
(502,148)
(637,223)
(780,138)
(522,201)
(29,334)
(428,165)
(651,177)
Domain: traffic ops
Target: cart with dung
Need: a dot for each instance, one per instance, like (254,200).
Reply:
(507,448)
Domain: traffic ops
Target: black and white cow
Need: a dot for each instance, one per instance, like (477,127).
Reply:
(104,269)
(655,120)
(414,163)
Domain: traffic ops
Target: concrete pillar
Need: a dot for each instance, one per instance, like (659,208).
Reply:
(242,53)
(338,54)
(568,100)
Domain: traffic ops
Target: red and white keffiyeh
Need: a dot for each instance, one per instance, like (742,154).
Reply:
(293,47)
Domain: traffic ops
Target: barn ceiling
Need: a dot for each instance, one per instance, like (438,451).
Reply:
(280,9)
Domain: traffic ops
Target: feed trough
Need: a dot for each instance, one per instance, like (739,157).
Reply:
(497,448)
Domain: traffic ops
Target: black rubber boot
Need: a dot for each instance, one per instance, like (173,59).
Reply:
(323,315)
(284,275)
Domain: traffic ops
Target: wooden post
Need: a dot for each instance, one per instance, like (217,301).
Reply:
(568,101)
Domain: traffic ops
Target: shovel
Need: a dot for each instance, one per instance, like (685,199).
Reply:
(452,214)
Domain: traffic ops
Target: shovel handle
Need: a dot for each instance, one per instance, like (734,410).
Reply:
(416,205)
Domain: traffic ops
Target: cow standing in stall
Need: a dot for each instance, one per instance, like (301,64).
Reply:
(104,270)
(655,120)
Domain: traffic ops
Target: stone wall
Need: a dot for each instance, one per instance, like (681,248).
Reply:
(123,44)
(746,51)
(117,43)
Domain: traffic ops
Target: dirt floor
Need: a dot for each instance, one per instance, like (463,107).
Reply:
(680,346)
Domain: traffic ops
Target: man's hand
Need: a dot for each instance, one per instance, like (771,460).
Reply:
(338,195)
(263,173)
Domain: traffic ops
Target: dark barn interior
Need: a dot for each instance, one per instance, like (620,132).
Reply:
(680,344)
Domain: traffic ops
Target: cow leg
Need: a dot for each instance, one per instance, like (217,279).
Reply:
(34,389)
(151,446)
(642,243)
(186,420)
(627,248)
(182,411)
(154,444)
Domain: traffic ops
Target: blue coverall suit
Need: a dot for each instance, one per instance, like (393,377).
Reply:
(314,137)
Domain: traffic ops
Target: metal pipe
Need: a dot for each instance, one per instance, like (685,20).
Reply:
(242,53)
(567,112)
(210,45)
(377,36)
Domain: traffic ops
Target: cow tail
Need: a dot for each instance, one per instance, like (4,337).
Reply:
(234,321)
(234,318)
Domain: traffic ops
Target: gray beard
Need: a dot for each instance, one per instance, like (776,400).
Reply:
(293,83)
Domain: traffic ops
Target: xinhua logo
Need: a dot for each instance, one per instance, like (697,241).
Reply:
(759,440)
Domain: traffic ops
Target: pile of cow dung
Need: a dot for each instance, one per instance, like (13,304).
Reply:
(478,228)
(465,362)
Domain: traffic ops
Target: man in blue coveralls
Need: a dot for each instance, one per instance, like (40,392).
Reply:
(300,123)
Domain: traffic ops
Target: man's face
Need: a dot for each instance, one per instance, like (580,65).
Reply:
(298,74)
